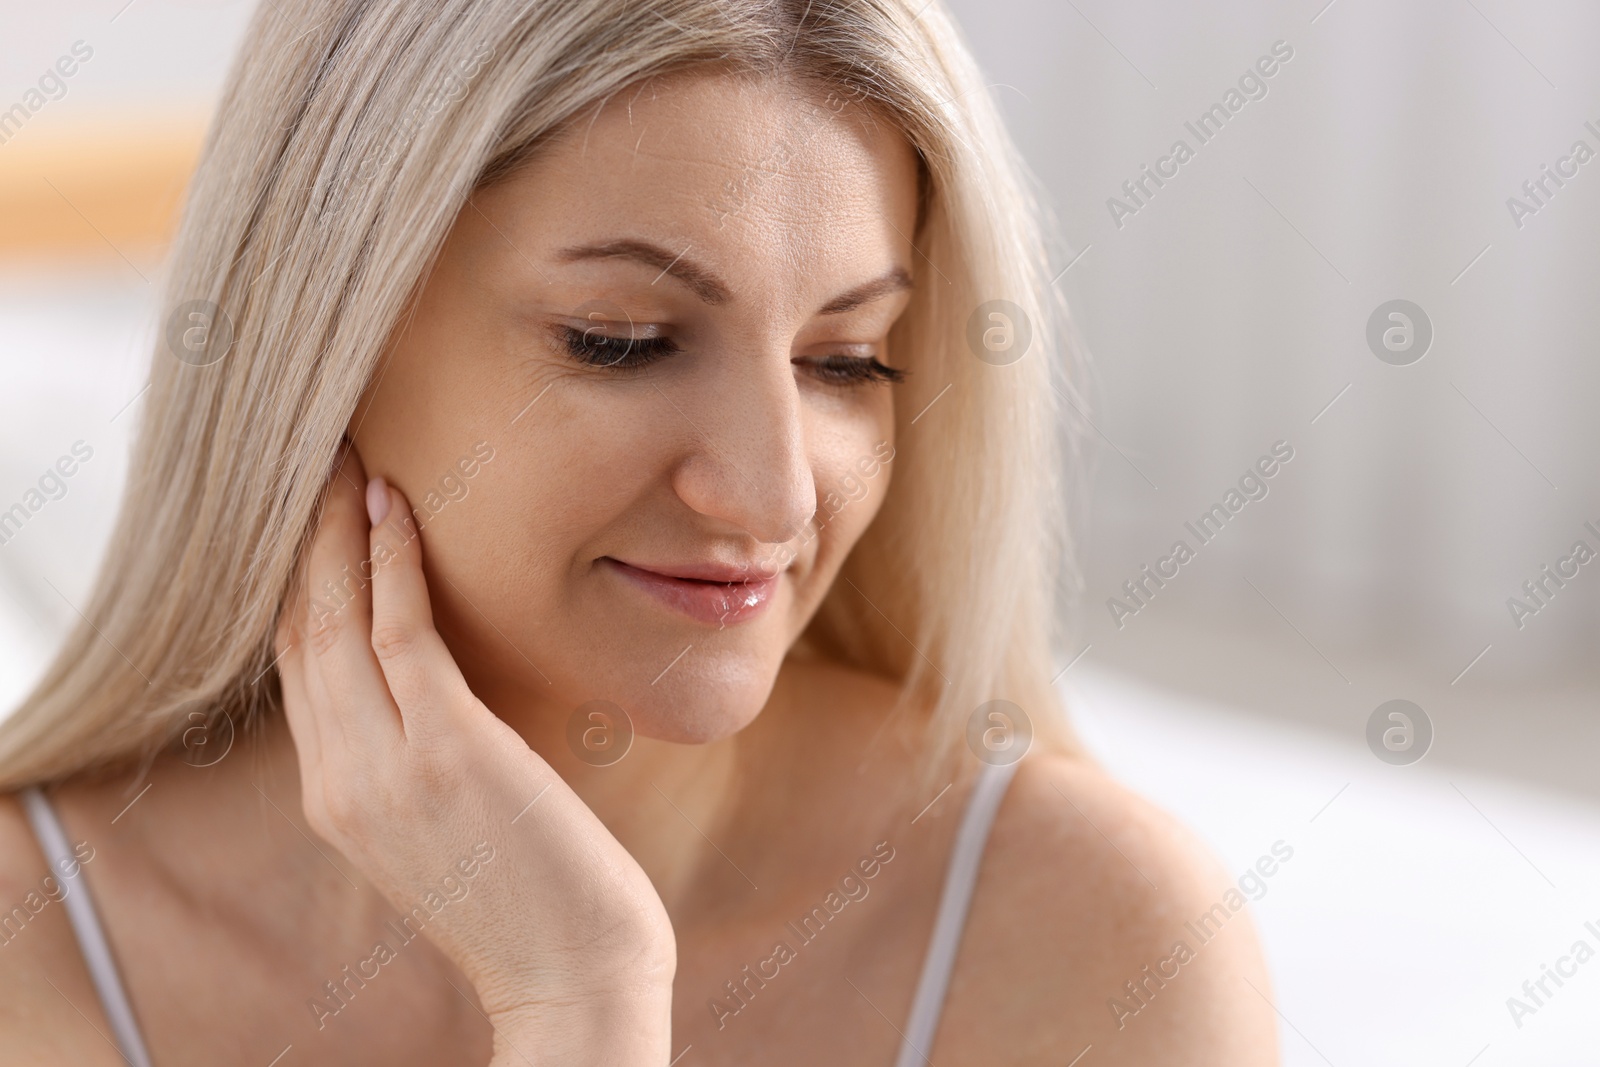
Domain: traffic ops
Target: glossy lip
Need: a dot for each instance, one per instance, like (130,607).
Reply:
(706,592)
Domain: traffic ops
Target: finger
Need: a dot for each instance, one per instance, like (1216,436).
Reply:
(345,688)
(423,677)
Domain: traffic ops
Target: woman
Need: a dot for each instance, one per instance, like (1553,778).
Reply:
(584,589)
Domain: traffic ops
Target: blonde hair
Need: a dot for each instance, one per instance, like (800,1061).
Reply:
(349,136)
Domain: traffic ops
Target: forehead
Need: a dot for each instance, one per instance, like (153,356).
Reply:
(768,167)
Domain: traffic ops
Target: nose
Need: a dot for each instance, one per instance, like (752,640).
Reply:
(749,466)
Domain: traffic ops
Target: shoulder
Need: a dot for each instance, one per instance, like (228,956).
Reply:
(46,998)
(1101,920)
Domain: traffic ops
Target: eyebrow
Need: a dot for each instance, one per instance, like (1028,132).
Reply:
(896,280)
(705,283)
(702,282)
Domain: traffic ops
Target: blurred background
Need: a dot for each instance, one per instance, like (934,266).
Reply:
(1234,296)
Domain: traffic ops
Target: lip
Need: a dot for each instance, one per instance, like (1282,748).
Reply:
(709,593)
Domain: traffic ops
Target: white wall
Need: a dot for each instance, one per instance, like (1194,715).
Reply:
(1231,308)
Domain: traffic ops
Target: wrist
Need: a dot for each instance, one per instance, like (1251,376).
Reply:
(631,1029)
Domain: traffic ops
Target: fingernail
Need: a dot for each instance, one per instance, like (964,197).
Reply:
(377,500)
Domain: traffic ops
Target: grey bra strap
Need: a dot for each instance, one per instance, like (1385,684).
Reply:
(960,878)
(86,925)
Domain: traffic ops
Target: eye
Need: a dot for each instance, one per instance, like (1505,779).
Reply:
(593,346)
(853,370)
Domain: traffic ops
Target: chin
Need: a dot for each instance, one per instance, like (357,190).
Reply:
(711,701)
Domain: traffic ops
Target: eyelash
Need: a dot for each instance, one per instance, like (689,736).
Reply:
(616,353)
(626,354)
(850,370)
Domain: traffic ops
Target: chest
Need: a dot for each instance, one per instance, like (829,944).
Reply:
(823,973)
(818,970)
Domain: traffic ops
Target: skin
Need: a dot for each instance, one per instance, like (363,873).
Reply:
(430,708)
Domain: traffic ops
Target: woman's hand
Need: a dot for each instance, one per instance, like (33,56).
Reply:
(418,783)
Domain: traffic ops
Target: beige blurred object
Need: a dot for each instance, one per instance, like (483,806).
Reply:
(96,188)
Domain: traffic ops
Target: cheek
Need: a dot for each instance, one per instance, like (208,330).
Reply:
(852,476)
(513,552)
(577,463)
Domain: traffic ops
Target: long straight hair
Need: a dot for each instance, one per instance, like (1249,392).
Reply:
(349,136)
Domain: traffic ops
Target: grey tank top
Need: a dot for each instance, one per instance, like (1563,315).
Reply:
(961,876)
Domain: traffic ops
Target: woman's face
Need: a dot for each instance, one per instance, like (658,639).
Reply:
(639,404)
